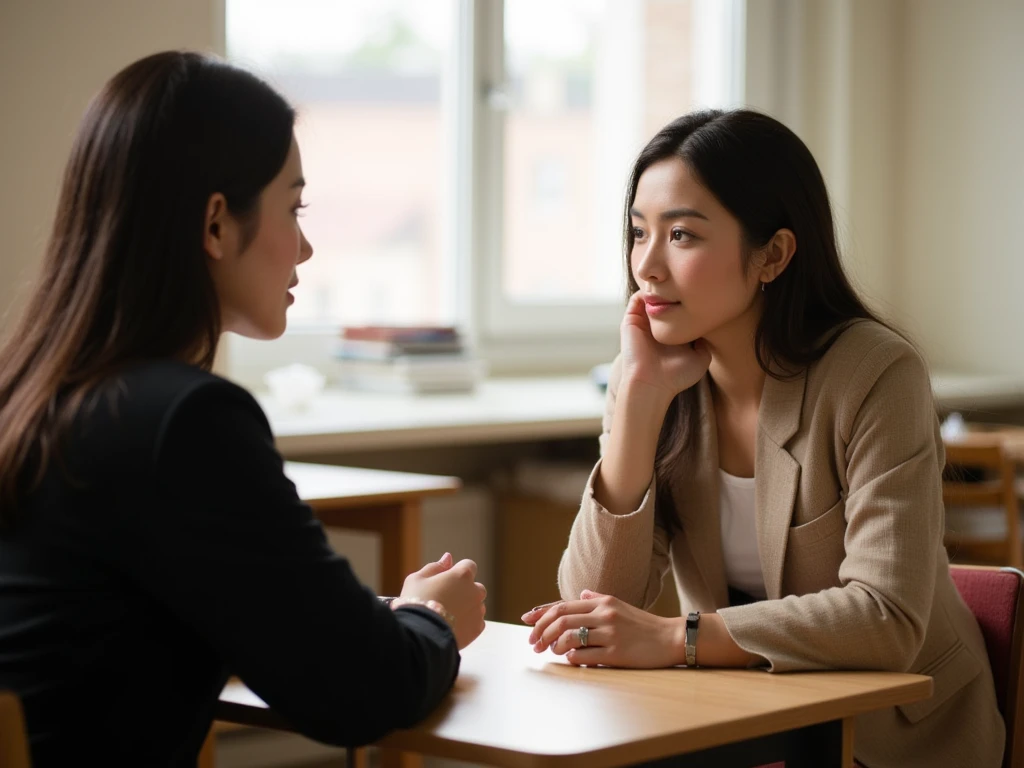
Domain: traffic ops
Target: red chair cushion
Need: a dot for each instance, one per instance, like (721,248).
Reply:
(992,597)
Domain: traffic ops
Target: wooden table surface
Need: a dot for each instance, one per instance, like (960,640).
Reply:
(324,485)
(517,709)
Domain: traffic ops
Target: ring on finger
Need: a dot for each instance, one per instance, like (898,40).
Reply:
(583,634)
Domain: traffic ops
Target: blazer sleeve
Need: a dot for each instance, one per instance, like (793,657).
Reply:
(228,548)
(621,555)
(878,616)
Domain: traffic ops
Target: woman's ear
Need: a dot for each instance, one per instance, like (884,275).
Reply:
(218,226)
(777,254)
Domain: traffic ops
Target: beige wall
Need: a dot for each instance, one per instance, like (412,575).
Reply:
(961,269)
(830,71)
(54,55)
(914,110)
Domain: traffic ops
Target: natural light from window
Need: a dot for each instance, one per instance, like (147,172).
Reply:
(586,83)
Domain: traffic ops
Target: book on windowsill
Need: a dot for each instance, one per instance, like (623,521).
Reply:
(389,342)
(359,349)
(412,374)
(401,333)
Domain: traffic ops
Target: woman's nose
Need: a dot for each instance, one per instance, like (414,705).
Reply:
(648,266)
(305,249)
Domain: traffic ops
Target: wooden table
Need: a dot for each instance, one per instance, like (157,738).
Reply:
(385,503)
(517,709)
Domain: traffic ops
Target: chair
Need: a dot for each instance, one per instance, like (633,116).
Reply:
(996,490)
(995,597)
(13,740)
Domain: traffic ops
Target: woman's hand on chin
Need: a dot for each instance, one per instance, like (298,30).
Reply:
(668,369)
(617,634)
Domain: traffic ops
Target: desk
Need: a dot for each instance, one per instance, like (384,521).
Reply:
(499,410)
(510,410)
(516,709)
(386,503)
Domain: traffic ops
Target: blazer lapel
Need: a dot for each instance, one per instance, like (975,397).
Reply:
(697,502)
(777,474)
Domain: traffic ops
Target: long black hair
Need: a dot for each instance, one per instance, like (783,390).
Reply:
(125,275)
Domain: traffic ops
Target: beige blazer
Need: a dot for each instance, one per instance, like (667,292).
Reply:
(849,526)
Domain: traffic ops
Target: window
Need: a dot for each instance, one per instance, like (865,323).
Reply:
(368,80)
(467,159)
(584,83)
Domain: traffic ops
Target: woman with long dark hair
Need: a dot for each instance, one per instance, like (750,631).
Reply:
(776,445)
(149,539)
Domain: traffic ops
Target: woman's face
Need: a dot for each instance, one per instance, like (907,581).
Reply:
(253,284)
(687,257)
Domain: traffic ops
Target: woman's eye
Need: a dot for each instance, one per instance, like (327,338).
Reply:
(638,233)
(680,235)
(296,210)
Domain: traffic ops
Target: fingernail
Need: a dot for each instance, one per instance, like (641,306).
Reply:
(545,605)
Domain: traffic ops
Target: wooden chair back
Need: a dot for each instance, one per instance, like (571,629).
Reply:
(995,489)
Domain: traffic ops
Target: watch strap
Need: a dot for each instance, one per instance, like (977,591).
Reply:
(692,623)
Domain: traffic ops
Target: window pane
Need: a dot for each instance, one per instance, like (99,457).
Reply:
(368,78)
(589,81)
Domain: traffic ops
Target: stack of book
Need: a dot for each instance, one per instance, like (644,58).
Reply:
(406,359)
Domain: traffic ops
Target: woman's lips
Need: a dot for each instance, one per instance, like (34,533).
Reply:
(657,306)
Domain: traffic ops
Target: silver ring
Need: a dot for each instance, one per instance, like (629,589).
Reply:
(583,633)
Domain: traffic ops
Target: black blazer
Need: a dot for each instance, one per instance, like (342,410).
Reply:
(171,551)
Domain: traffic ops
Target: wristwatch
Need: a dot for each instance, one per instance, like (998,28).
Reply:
(692,620)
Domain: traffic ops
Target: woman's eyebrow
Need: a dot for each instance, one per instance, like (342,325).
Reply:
(675,213)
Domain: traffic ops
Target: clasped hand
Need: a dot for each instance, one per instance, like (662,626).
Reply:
(619,634)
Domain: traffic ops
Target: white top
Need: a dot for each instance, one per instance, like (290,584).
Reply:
(739,534)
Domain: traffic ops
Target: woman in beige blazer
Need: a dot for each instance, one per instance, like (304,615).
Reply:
(747,356)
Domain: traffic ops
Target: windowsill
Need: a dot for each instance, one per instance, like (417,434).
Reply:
(246,361)
(515,409)
(499,410)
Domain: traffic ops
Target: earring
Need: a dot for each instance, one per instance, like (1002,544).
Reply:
(762,287)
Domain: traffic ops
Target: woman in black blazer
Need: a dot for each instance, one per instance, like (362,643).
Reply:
(150,540)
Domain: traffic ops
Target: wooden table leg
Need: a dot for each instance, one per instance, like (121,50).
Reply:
(392,758)
(400,530)
(208,754)
(848,742)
